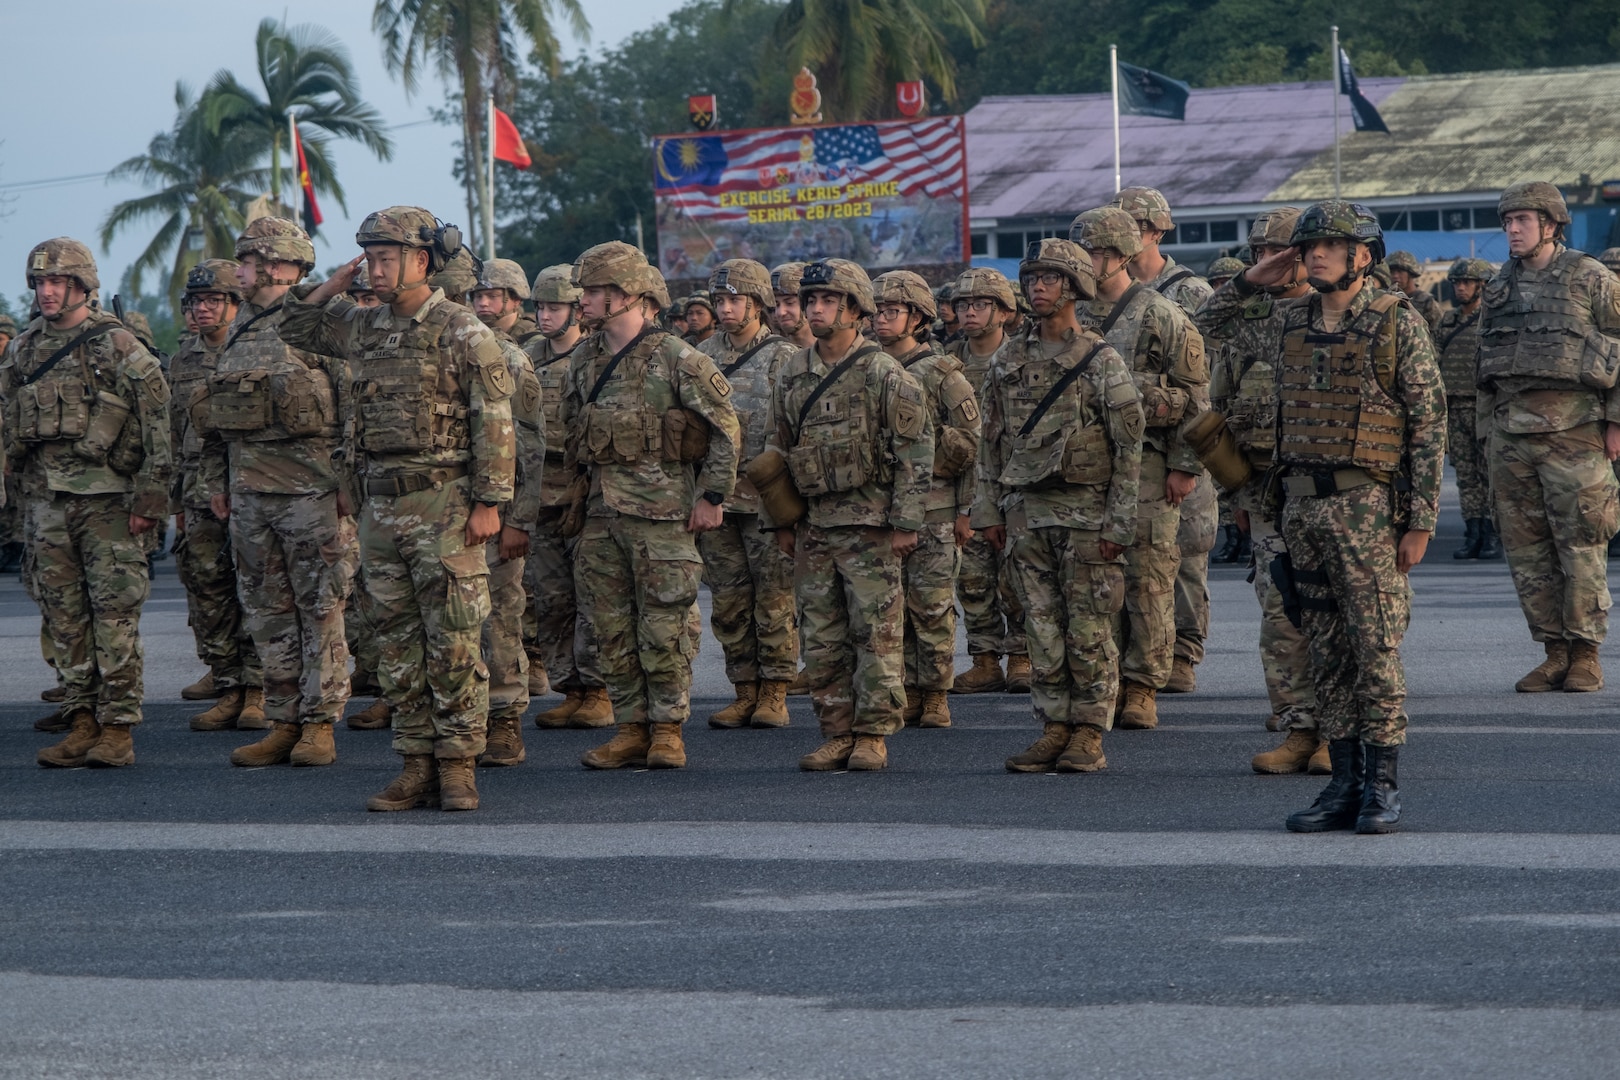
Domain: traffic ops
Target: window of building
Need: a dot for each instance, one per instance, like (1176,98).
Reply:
(1223,232)
(1392,220)
(979,244)
(1424,220)
(1486,217)
(1010,245)
(1194,232)
(1171,237)
(1456,219)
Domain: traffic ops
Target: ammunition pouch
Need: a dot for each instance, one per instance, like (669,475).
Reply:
(1164,406)
(52,411)
(623,436)
(954,451)
(266,404)
(1213,442)
(770,476)
(1086,459)
(686,436)
(108,416)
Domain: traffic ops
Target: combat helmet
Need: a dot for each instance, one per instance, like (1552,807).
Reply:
(839,276)
(276,239)
(785,279)
(1274,228)
(215,276)
(555,285)
(905,287)
(1226,267)
(411,227)
(502,274)
(1145,205)
(1534,195)
(1107,227)
(1404,260)
(63,257)
(618,263)
(1471,270)
(1067,258)
(8,326)
(701,298)
(458,276)
(141,327)
(1611,259)
(1336,219)
(743,277)
(986,282)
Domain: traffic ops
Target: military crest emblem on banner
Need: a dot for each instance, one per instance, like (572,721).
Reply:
(703,110)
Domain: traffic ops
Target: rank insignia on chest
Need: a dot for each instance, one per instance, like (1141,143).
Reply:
(1321,374)
(828,407)
(393,340)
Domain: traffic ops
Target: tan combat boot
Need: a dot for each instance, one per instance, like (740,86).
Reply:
(771,710)
(252,717)
(737,713)
(539,682)
(936,711)
(830,755)
(53,723)
(984,677)
(1183,679)
(667,750)
(274,749)
(379,714)
(223,714)
(83,733)
(1321,763)
(315,746)
(1275,722)
(1043,753)
(55,695)
(1585,673)
(1291,757)
(595,710)
(1019,673)
(800,686)
(115,748)
(1141,709)
(557,716)
(416,785)
(1549,674)
(505,743)
(914,707)
(458,785)
(201,690)
(1084,752)
(869,754)
(627,748)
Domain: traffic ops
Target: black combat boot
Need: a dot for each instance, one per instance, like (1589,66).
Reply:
(1380,798)
(1470,544)
(1245,549)
(11,557)
(1340,802)
(1226,545)
(1490,544)
(1614,546)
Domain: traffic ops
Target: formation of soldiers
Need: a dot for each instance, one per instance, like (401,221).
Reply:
(485,488)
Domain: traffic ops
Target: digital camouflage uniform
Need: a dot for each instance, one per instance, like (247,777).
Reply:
(1456,340)
(1422,300)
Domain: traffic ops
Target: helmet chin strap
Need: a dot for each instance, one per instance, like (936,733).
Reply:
(573,317)
(68,309)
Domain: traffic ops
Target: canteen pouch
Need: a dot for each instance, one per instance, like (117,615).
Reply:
(240,400)
(954,451)
(106,423)
(685,436)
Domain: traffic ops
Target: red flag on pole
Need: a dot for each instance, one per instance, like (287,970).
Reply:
(312,210)
(508,143)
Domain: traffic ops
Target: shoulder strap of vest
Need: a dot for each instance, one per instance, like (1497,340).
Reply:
(1058,387)
(1384,356)
(240,330)
(60,354)
(1181,274)
(612,365)
(915,355)
(1462,324)
(737,364)
(1119,308)
(832,376)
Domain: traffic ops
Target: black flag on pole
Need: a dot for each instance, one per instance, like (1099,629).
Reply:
(1366,117)
(1147,93)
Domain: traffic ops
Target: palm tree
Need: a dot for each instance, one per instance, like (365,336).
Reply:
(304,68)
(860,48)
(473,45)
(203,183)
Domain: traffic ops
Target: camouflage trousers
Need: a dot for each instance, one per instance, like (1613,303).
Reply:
(928,578)
(90,580)
(852,625)
(990,609)
(1356,609)
(502,639)
(207,570)
(1146,635)
(1195,538)
(1467,458)
(360,629)
(750,583)
(553,632)
(1072,598)
(295,558)
(1284,651)
(639,579)
(429,598)
(1555,499)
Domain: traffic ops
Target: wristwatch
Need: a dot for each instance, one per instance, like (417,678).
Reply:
(713,498)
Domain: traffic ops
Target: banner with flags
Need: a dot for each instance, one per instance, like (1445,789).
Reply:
(311,209)
(884,194)
(508,145)
(1147,93)
(1362,112)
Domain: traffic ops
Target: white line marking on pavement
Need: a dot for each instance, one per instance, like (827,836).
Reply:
(1602,920)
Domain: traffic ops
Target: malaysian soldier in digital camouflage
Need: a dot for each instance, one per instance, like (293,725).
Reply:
(750,579)
(1360,446)
(651,427)
(1456,341)
(1058,470)
(202,547)
(431,403)
(276,409)
(1166,357)
(1225,269)
(1549,349)
(496,296)
(697,311)
(1243,323)
(985,306)
(905,313)
(87,436)
(1404,271)
(560,640)
(11,544)
(851,429)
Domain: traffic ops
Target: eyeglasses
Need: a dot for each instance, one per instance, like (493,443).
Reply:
(1044,277)
(209,300)
(892,312)
(978,306)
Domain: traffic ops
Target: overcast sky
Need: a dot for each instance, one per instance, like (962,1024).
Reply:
(86,85)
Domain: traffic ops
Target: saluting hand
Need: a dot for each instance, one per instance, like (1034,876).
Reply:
(1278,268)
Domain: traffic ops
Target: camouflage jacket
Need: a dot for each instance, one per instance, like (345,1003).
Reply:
(189,369)
(1101,400)
(750,398)
(551,369)
(1180,286)
(974,368)
(464,416)
(625,438)
(62,435)
(1456,340)
(1424,303)
(953,404)
(875,417)
(529,427)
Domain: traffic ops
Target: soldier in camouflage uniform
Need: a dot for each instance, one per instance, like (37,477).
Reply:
(697,312)
(203,556)
(750,580)
(985,306)
(431,403)
(905,313)
(1404,271)
(787,319)
(1058,471)
(497,298)
(1610,257)
(1549,349)
(1244,324)
(561,641)
(11,544)
(1360,444)
(651,424)
(1456,340)
(1224,269)
(1166,357)
(854,430)
(87,436)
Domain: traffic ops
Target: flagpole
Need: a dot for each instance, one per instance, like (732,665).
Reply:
(489,202)
(1337,75)
(292,151)
(1113,67)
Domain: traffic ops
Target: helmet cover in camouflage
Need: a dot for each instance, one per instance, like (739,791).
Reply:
(945,294)
(140,327)
(1534,195)
(359,285)
(503,274)
(1380,273)
(214,276)
(623,265)
(1225,267)
(1471,270)
(411,227)
(701,298)
(8,326)
(743,277)
(1274,228)
(277,239)
(458,277)
(63,257)
(785,278)
(986,282)
(555,285)
(1404,260)
(905,287)
(1611,258)
(1336,219)
(1146,205)
(1107,227)
(1067,258)
(839,276)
